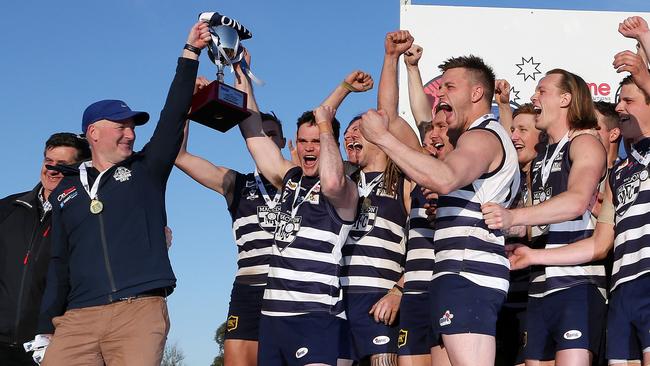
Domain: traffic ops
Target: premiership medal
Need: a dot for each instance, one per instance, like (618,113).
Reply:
(96,206)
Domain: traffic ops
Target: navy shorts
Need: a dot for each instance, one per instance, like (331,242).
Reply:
(299,340)
(415,334)
(460,306)
(511,336)
(244,312)
(628,321)
(571,318)
(365,337)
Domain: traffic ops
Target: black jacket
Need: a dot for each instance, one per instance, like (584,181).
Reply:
(24,257)
(120,252)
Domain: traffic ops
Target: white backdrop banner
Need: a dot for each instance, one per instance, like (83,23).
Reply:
(520,44)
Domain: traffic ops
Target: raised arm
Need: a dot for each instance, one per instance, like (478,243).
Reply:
(335,185)
(356,82)
(420,106)
(166,139)
(475,154)
(502,97)
(265,152)
(588,164)
(395,44)
(637,28)
(627,61)
(216,178)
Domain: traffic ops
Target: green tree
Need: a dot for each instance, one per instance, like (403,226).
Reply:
(219,337)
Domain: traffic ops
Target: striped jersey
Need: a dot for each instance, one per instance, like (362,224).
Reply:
(373,254)
(463,243)
(253,223)
(420,256)
(519,279)
(631,197)
(549,279)
(305,264)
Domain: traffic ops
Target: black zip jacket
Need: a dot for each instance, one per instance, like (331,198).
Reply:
(24,256)
(121,252)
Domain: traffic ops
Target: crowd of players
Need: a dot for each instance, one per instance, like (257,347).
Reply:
(510,240)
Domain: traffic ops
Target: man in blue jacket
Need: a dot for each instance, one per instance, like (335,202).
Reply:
(109,272)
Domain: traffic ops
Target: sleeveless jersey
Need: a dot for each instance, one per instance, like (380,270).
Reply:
(549,279)
(463,243)
(631,197)
(373,254)
(253,223)
(305,265)
(420,256)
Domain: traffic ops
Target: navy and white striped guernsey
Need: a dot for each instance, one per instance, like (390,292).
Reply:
(519,279)
(305,265)
(253,224)
(546,280)
(373,255)
(463,243)
(631,195)
(420,256)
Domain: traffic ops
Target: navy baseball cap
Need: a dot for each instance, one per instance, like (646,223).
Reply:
(112,110)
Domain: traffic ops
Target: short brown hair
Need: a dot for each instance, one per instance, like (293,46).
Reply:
(526,108)
(608,110)
(582,114)
(480,71)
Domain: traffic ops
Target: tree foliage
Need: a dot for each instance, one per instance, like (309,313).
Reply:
(219,337)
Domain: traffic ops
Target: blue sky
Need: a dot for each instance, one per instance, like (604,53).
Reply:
(61,56)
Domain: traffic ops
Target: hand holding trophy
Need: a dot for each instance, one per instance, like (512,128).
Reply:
(218,105)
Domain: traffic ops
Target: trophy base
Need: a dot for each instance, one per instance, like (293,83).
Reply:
(219,106)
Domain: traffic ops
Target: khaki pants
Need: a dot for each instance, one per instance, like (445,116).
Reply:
(130,332)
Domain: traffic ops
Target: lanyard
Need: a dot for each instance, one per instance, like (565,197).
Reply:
(260,185)
(83,176)
(366,188)
(643,160)
(294,207)
(546,169)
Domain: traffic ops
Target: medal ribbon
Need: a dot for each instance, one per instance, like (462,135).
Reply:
(265,195)
(294,207)
(366,188)
(83,176)
(546,169)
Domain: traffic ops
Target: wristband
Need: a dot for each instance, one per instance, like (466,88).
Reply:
(349,87)
(325,127)
(192,49)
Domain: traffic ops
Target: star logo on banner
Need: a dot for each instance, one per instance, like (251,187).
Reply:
(514,96)
(528,68)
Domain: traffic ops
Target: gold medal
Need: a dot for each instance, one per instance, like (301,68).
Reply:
(366,203)
(96,206)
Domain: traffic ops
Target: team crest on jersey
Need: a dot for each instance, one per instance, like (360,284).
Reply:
(402,338)
(252,193)
(267,217)
(627,192)
(232,323)
(286,230)
(365,222)
(542,195)
(122,174)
